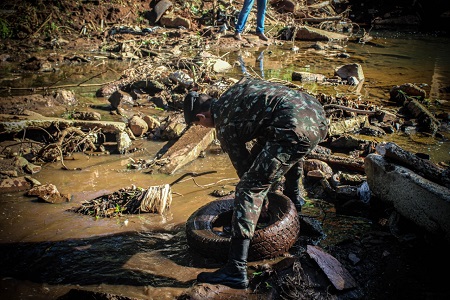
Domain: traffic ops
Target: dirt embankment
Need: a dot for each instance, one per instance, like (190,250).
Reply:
(80,25)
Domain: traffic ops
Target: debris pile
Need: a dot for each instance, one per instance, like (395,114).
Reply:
(131,200)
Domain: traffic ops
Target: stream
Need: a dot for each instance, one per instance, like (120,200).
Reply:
(48,250)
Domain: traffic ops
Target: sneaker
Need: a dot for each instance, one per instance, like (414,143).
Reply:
(262,36)
(237,36)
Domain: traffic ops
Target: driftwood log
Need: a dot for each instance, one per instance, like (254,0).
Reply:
(423,167)
(354,164)
(423,115)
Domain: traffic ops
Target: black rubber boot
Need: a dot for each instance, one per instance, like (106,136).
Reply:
(292,185)
(295,197)
(234,273)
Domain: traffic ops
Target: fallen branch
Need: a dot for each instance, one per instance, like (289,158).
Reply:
(193,174)
(42,25)
(356,164)
(350,109)
(45,88)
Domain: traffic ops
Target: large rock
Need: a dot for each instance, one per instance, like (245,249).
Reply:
(307,33)
(138,126)
(423,202)
(350,70)
(172,21)
(48,193)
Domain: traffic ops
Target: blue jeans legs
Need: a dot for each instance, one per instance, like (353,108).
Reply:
(260,15)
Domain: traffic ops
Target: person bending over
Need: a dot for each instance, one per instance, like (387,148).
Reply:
(286,125)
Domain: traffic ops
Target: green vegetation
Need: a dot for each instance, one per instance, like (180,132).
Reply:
(5,29)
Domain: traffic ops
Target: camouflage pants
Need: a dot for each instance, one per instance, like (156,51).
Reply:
(273,161)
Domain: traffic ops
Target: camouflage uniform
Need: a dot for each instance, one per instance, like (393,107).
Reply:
(286,124)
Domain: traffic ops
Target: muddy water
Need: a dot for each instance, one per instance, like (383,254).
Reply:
(136,255)
(47,249)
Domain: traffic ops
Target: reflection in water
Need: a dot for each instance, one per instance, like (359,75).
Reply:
(261,63)
(242,65)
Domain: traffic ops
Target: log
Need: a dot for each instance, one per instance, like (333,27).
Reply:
(319,5)
(347,125)
(423,115)
(423,167)
(320,20)
(354,164)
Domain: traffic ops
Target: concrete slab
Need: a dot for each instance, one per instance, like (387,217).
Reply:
(422,201)
(188,147)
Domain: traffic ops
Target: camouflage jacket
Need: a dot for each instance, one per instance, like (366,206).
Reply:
(257,109)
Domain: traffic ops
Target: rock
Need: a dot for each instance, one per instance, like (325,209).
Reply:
(48,193)
(173,128)
(348,142)
(335,271)
(32,168)
(387,117)
(172,21)
(119,97)
(138,126)
(426,119)
(307,33)
(350,70)
(108,89)
(20,161)
(352,80)
(372,130)
(316,174)
(152,123)
(181,77)
(148,86)
(123,141)
(221,66)
(307,77)
(409,89)
(15,184)
(310,165)
(87,115)
(9,173)
(65,97)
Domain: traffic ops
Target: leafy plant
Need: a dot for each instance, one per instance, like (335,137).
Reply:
(68,114)
(5,30)
(118,209)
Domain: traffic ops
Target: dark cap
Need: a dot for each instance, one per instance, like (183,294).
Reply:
(194,103)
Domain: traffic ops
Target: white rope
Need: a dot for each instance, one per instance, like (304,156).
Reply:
(157,199)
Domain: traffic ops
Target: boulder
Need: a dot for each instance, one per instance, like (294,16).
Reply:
(138,126)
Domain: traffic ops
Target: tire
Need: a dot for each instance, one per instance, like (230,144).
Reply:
(270,240)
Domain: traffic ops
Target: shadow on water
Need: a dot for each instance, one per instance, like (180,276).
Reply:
(97,260)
